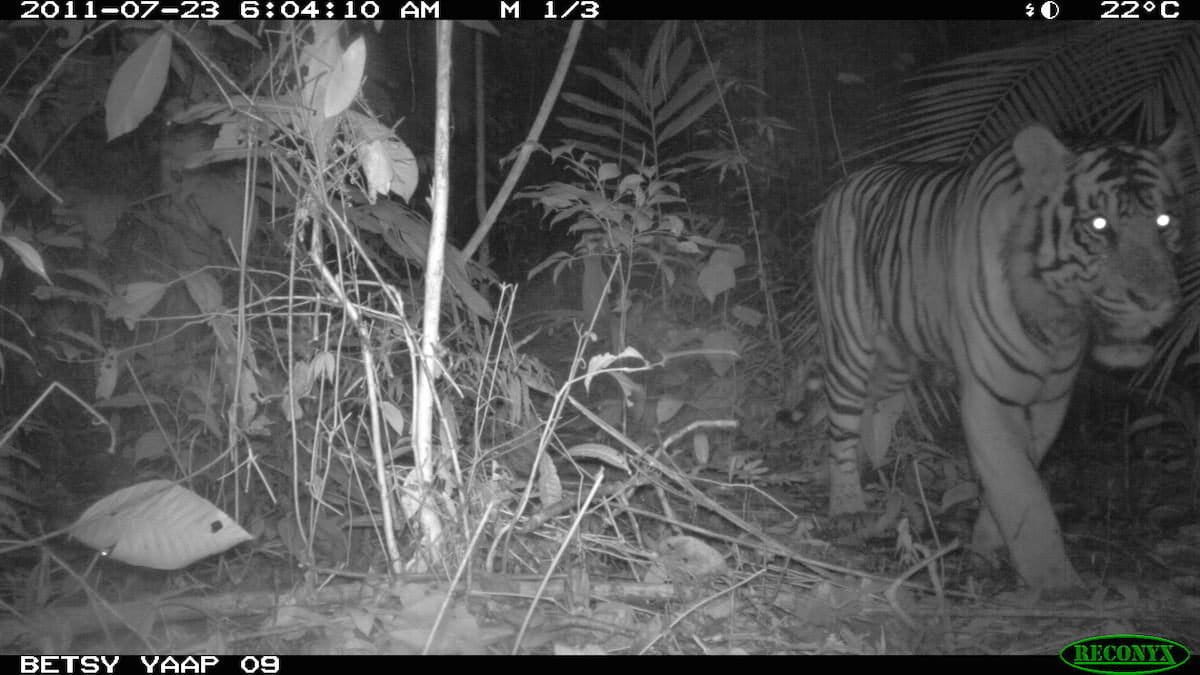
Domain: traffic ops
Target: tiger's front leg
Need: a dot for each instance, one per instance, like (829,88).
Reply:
(1006,446)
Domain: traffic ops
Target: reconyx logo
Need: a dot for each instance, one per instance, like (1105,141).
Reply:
(1124,654)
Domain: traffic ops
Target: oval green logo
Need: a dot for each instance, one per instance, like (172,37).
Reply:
(1125,654)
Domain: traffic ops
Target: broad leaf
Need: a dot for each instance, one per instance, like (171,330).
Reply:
(137,86)
(157,524)
(346,78)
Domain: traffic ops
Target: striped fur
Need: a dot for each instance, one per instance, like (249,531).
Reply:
(1003,272)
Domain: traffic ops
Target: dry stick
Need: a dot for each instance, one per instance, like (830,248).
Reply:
(25,59)
(179,465)
(369,375)
(464,566)
(535,132)
(422,432)
(894,588)
(292,403)
(241,256)
(12,131)
(50,388)
(54,146)
(934,578)
(355,314)
(560,397)
(769,543)
(695,606)
(491,374)
(566,541)
(480,144)
(636,480)
(103,604)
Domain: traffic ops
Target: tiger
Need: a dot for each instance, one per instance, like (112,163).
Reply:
(1008,272)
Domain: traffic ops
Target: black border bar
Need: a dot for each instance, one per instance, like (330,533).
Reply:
(565,10)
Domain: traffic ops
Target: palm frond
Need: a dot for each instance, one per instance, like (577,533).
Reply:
(1095,80)
(648,105)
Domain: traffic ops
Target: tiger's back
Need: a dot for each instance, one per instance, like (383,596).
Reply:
(864,247)
(1005,271)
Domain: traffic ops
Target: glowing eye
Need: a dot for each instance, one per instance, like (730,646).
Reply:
(1099,224)
(1163,220)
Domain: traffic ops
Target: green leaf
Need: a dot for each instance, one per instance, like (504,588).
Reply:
(346,78)
(28,256)
(237,32)
(700,81)
(618,88)
(137,86)
(481,26)
(596,149)
(602,110)
(6,346)
(676,65)
(687,117)
(591,128)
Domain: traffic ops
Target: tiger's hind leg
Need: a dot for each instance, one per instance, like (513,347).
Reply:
(866,402)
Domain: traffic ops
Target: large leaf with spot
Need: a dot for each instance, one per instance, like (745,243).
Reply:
(157,524)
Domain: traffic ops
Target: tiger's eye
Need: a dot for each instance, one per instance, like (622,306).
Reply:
(1099,224)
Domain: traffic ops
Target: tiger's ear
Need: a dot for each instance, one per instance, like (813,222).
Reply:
(1042,157)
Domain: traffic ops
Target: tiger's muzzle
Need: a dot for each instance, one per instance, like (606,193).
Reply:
(1125,337)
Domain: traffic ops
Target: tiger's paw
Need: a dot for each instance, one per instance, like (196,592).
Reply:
(860,526)
(1057,582)
(855,523)
(1065,594)
(842,526)
(993,570)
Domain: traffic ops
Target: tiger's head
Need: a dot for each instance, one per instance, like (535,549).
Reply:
(1095,247)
